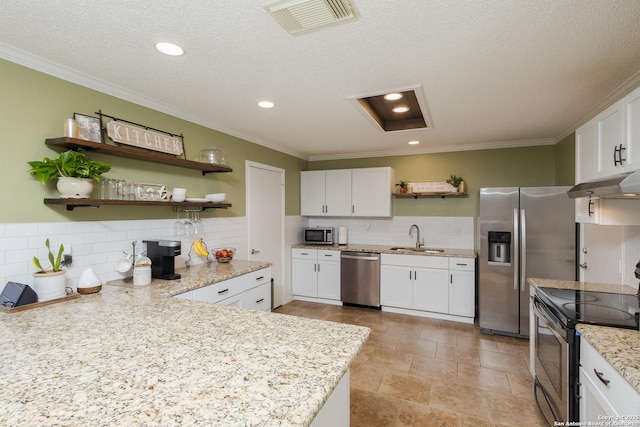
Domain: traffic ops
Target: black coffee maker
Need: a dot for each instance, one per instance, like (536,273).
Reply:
(162,254)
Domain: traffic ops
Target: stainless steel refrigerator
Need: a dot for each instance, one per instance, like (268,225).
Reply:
(522,232)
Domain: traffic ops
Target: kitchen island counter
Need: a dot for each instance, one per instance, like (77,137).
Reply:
(136,356)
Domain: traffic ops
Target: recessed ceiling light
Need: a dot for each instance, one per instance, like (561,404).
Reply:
(169,49)
(402,109)
(393,96)
(414,142)
(266,104)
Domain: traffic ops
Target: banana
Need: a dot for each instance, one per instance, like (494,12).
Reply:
(200,247)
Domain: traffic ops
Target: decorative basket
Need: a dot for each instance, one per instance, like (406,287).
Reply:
(224,255)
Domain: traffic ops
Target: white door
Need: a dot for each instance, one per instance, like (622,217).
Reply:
(601,253)
(265,221)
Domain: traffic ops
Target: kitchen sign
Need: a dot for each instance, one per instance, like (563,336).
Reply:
(144,138)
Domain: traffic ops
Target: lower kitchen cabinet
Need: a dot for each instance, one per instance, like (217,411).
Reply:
(429,286)
(604,394)
(251,291)
(316,274)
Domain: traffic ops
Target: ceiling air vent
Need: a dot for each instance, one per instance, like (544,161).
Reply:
(297,16)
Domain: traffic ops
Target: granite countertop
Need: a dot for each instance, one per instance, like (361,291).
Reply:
(619,347)
(386,249)
(136,356)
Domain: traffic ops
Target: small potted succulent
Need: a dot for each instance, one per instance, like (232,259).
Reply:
(74,171)
(50,283)
(403,186)
(456,182)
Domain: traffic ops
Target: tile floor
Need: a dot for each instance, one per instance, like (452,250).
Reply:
(424,372)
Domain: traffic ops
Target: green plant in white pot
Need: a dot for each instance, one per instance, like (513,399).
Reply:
(73,170)
(50,283)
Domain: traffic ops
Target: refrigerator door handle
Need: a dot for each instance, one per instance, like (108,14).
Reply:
(516,246)
(523,252)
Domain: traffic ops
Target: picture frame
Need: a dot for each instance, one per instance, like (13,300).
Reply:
(89,127)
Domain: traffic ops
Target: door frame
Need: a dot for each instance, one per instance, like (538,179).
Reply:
(248,165)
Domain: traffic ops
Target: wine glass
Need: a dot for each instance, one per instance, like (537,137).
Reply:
(179,227)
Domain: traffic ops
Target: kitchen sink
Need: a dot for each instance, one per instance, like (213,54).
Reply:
(414,249)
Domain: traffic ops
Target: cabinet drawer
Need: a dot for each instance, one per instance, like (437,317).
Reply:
(258,298)
(304,253)
(621,395)
(324,255)
(463,264)
(220,290)
(257,277)
(415,261)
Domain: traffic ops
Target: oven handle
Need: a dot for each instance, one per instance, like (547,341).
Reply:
(555,326)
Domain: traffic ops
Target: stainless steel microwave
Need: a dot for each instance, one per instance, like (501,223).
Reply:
(319,235)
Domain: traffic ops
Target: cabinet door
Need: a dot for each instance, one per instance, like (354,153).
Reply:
(304,277)
(396,286)
(610,139)
(258,298)
(587,152)
(312,189)
(338,192)
(593,405)
(632,130)
(431,290)
(371,191)
(462,295)
(234,301)
(329,280)
(216,292)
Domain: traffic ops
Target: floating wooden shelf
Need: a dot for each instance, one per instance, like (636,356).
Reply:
(436,194)
(94,203)
(133,153)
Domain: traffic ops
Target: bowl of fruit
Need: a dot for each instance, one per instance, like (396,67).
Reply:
(224,254)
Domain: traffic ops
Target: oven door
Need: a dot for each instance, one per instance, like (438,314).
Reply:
(551,388)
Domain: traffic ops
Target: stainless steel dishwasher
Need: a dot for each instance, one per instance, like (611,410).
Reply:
(360,278)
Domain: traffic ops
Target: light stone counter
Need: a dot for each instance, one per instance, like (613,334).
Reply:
(386,249)
(136,356)
(619,347)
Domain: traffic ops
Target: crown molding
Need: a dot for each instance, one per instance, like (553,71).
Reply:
(63,72)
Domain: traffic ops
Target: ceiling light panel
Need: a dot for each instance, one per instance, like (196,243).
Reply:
(402,112)
(297,16)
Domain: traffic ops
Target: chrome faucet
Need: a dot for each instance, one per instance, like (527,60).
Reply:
(419,244)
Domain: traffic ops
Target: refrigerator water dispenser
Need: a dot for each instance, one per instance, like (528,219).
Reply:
(500,246)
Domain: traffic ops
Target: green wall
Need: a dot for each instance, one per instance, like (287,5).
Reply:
(528,166)
(33,106)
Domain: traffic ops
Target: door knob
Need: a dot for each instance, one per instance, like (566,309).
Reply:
(584,265)
(253,252)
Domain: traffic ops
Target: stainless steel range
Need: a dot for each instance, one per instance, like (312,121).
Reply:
(557,343)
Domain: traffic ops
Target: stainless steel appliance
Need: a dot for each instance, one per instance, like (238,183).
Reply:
(557,344)
(162,254)
(522,232)
(360,278)
(318,235)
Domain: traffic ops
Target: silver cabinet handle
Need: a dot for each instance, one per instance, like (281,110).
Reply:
(224,291)
(253,252)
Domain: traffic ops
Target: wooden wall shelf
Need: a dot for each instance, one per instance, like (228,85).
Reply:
(70,204)
(133,153)
(438,194)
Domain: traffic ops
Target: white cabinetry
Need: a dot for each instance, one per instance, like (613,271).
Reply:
(604,394)
(251,291)
(346,192)
(428,286)
(325,192)
(316,274)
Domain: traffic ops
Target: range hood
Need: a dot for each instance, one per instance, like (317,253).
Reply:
(618,187)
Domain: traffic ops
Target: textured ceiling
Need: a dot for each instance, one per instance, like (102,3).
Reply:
(494,72)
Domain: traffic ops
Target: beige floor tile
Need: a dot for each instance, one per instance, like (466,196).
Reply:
(434,369)
(417,346)
(511,410)
(521,385)
(373,409)
(385,358)
(461,399)
(366,377)
(489,379)
(438,334)
(417,415)
(466,355)
(504,361)
(408,387)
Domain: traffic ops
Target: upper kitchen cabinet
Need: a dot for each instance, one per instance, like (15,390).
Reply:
(325,193)
(609,144)
(362,192)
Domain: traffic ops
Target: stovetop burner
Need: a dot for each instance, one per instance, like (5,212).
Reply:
(596,308)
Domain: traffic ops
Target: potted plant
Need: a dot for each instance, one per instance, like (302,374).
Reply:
(74,171)
(50,283)
(455,182)
(403,186)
